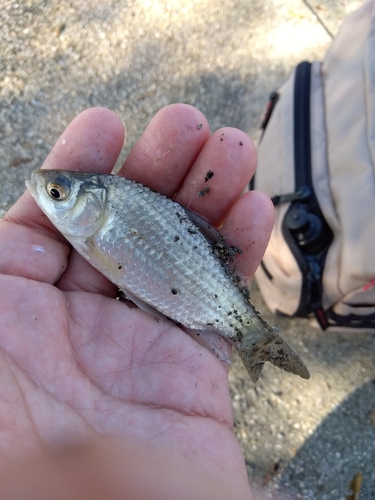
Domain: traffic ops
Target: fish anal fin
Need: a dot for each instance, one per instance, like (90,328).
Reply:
(212,341)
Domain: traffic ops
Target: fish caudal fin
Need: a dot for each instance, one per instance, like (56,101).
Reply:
(270,347)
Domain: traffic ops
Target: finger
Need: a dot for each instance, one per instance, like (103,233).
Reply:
(31,254)
(91,143)
(219,174)
(248,226)
(29,245)
(169,146)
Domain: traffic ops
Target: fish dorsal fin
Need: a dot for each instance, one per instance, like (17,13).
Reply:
(207,229)
(224,252)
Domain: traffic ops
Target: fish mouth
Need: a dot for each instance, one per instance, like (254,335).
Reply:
(31,184)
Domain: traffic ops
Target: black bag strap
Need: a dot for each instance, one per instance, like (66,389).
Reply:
(304,227)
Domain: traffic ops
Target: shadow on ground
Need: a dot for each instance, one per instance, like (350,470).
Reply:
(334,451)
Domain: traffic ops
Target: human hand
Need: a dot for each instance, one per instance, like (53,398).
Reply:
(75,362)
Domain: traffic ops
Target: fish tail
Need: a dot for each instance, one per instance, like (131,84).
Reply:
(269,347)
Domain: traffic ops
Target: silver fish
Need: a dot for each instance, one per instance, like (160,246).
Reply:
(150,247)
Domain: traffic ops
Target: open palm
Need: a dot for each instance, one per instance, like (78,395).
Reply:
(75,362)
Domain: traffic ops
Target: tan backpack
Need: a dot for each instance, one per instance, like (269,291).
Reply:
(316,161)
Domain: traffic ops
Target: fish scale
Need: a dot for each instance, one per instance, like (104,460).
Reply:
(156,264)
(147,245)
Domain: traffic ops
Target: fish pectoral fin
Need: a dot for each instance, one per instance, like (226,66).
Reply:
(271,347)
(211,341)
(142,305)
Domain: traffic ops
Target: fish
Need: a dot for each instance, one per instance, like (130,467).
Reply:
(165,258)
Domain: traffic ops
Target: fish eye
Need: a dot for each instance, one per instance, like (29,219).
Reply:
(59,188)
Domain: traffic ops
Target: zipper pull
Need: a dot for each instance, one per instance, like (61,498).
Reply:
(270,107)
(301,194)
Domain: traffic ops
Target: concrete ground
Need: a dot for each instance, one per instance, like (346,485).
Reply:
(58,57)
